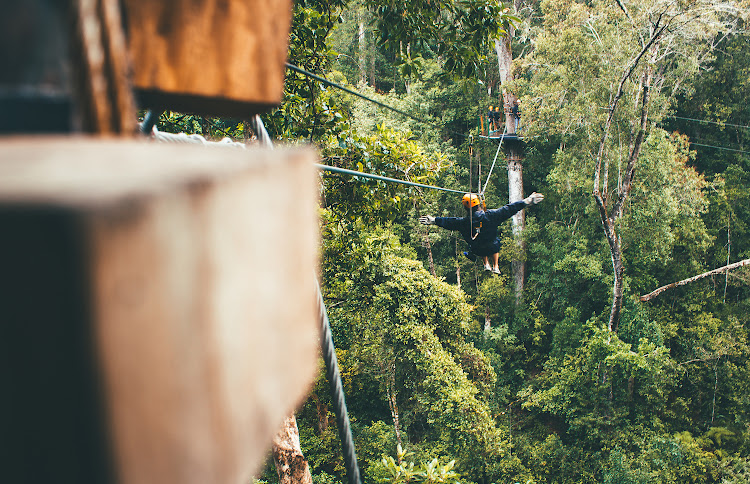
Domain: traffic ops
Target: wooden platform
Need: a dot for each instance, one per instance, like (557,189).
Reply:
(221,58)
(158,307)
(507,137)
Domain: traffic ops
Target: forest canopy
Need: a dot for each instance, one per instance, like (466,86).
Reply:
(634,124)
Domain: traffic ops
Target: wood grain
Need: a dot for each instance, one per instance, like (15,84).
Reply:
(200,291)
(218,57)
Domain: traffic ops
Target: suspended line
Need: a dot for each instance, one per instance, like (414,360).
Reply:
(720,148)
(366,98)
(383,178)
(337,394)
(149,121)
(499,145)
(350,91)
(709,122)
(333,374)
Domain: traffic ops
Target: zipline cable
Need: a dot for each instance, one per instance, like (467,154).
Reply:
(709,122)
(333,375)
(493,161)
(309,74)
(471,190)
(335,169)
(149,121)
(329,351)
(337,394)
(720,148)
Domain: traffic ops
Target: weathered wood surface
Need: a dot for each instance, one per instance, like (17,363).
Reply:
(209,56)
(198,284)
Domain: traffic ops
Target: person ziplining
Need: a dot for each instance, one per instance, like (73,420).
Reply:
(479,227)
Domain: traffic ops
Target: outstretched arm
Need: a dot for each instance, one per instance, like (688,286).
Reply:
(450,223)
(503,213)
(533,199)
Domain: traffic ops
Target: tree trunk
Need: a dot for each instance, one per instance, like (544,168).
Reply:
(610,219)
(515,167)
(392,404)
(428,245)
(617,287)
(362,50)
(291,465)
(321,410)
(515,193)
(610,216)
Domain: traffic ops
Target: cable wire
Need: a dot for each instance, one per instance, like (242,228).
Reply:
(337,394)
(336,169)
(709,122)
(332,367)
(149,121)
(329,351)
(309,74)
(493,161)
(720,148)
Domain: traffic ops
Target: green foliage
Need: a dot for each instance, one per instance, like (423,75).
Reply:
(459,32)
(386,153)
(542,393)
(398,471)
(605,384)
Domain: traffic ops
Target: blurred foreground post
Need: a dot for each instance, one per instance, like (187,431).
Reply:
(158,310)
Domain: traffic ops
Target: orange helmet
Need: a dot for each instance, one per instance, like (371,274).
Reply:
(470,200)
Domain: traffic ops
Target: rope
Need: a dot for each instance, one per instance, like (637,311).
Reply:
(335,169)
(192,138)
(493,161)
(471,190)
(720,148)
(337,394)
(260,130)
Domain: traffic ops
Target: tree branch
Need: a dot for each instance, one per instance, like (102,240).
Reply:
(613,105)
(630,170)
(653,294)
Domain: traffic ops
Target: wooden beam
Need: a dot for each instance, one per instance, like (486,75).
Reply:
(209,56)
(186,273)
(103,91)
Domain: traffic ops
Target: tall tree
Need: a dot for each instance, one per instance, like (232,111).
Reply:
(645,52)
(504,51)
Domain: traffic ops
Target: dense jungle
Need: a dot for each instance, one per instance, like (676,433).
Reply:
(565,367)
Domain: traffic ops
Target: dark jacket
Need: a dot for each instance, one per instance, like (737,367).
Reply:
(486,243)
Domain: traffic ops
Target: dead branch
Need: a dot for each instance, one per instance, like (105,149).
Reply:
(653,294)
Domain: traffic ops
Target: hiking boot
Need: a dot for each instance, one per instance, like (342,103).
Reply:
(496,270)
(487,267)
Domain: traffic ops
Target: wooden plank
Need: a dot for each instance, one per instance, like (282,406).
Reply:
(102,90)
(217,57)
(199,267)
